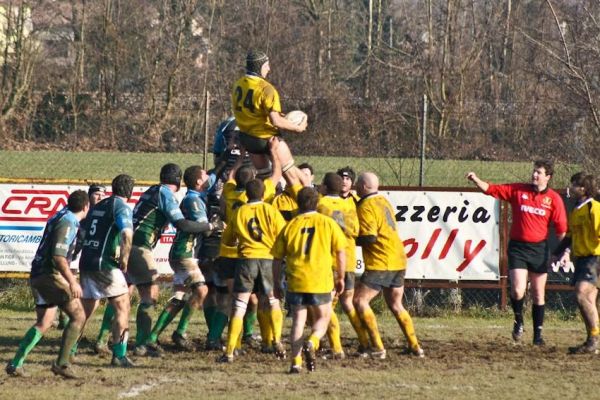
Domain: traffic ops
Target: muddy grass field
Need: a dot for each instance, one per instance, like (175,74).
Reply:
(466,358)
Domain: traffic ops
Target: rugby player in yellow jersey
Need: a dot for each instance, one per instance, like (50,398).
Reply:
(309,243)
(233,196)
(344,213)
(583,242)
(257,110)
(348,176)
(385,265)
(255,227)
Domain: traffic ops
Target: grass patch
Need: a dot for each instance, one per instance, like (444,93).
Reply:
(103,166)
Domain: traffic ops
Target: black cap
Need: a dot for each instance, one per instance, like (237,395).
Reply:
(255,60)
(96,188)
(171,174)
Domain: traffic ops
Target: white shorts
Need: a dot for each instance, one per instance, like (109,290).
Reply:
(103,284)
(186,272)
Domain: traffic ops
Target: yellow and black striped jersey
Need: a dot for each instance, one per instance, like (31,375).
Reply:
(307,242)
(376,218)
(253,98)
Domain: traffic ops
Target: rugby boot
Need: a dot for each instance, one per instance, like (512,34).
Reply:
(66,371)
(181,342)
(295,369)
(379,354)
(154,350)
(102,349)
(279,350)
(225,359)
(310,356)
(362,352)
(517,332)
(15,371)
(539,341)
(590,346)
(212,345)
(416,351)
(122,362)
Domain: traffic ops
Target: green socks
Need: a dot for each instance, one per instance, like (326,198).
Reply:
(249,322)
(184,321)
(69,339)
(32,337)
(105,328)
(218,324)
(143,321)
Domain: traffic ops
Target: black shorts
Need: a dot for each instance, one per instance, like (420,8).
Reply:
(349,280)
(586,269)
(378,280)
(307,299)
(225,270)
(254,275)
(255,145)
(530,256)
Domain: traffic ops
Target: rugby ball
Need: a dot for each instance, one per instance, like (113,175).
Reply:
(296,117)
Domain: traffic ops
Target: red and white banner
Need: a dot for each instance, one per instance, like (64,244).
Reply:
(24,210)
(447,235)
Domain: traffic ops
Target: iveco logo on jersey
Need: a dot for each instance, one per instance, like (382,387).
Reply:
(533,210)
(32,205)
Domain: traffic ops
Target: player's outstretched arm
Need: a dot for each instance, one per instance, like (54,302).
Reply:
(482,185)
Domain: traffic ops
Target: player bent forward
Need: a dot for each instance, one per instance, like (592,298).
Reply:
(385,261)
(308,243)
(104,257)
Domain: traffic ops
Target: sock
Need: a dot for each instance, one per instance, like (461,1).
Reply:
(264,324)
(595,331)
(249,321)
(276,323)
(120,348)
(164,319)
(235,330)
(63,319)
(31,338)
(143,321)
(406,324)
(69,339)
(370,323)
(333,334)
(109,313)
(75,347)
(209,312)
(537,313)
(363,336)
(297,361)
(184,321)
(315,340)
(218,324)
(517,306)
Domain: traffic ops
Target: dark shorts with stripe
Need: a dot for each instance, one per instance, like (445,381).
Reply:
(530,256)
(255,145)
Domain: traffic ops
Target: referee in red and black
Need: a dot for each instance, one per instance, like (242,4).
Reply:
(534,206)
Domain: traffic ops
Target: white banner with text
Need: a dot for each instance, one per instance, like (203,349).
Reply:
(447,235)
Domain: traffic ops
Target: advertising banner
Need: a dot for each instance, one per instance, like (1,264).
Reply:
(447,235)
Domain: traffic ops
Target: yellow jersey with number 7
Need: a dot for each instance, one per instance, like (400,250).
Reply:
(253,98)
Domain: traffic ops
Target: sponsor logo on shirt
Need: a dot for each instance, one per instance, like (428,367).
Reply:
(547,202)
(524,196)
(533,210)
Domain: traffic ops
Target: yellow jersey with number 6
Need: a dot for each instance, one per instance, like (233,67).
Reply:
(376,218)
(253,98)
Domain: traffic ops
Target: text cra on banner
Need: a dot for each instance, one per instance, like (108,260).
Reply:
(24,210)
(449,235)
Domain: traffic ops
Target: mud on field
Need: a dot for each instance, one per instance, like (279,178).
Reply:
(464,359)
